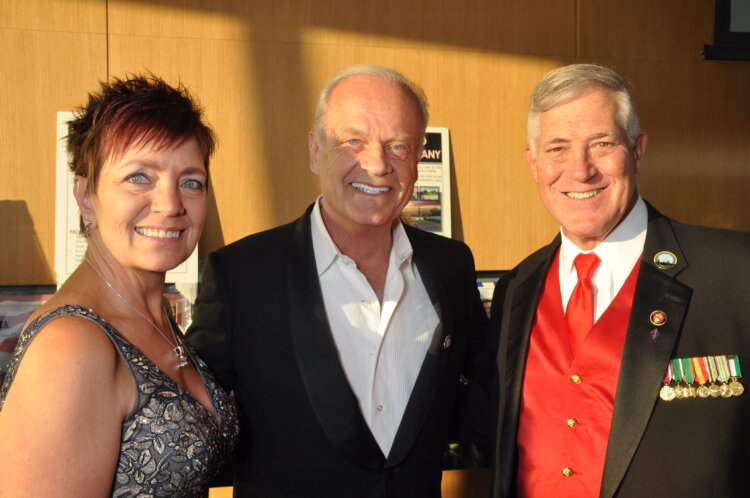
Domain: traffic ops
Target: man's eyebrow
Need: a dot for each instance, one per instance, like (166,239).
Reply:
(404,137)
(556,140)
(605,134)
(595,136)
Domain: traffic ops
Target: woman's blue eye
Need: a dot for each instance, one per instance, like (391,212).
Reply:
(193,184)
(138,178)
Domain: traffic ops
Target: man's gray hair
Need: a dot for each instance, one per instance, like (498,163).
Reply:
(377,71)
(565,83)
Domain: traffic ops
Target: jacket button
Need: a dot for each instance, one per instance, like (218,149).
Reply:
(576,379)
(572,423)
(567,472)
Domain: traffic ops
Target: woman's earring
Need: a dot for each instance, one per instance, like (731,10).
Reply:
(87,228)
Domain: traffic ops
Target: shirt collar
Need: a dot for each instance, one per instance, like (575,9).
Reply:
(326,251)
(623,245)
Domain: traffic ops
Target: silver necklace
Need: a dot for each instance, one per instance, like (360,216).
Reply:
(178,350)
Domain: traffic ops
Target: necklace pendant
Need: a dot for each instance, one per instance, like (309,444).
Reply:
(180,352)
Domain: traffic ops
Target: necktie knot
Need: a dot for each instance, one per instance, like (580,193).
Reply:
(585,265)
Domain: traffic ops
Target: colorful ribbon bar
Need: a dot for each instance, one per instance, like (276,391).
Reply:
(715,376)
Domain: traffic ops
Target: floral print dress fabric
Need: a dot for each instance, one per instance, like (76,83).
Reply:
(170,445)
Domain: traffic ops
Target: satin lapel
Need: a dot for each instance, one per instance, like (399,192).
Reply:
(332,399)
(428,381)
(644,359)
(519,310)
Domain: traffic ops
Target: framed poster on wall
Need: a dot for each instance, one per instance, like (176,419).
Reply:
(430,204)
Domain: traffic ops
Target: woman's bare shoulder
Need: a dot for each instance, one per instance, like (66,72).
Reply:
(70,349)
(63,405)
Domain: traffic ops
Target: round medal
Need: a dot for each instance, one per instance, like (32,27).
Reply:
(703,391)
(736,387)
(666,393)
(714,390)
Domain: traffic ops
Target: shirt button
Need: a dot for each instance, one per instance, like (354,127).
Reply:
(366,302)
(576,379)
(572,422)
(379,408)
(567,472)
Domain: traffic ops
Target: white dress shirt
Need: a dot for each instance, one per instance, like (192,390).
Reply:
(381,347)
(619,252)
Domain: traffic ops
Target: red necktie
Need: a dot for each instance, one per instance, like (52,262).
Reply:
(580,312)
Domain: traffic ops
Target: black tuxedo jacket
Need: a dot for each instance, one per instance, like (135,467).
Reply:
(261,326)
(685,447)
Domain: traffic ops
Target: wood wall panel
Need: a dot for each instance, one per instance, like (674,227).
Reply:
(486,25)
(257,67)
(53,54)
(272,59)
(697,166)
(667,30)
(71,16)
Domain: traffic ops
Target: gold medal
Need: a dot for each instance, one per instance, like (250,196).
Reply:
(736,387)
(726,392)
(714,390)
(666,393)
(703,391)
(692,392)
(678,392)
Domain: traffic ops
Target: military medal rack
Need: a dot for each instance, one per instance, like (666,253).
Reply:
(702,377)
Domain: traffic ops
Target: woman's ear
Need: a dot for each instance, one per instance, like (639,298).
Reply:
(83,198)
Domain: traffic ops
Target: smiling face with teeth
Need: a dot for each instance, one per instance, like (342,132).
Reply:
(584,167)
(149,207)
(368,163)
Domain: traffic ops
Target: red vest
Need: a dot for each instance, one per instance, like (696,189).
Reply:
(566,408)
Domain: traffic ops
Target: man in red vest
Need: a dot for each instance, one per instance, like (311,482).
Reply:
(621,344)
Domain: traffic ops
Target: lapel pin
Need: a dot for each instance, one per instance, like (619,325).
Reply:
(665,260)
(654,333)
(448,342)
(657,318)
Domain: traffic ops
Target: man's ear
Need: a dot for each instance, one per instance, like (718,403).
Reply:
(85,203)
(314,147)
(529,155)
(639,149)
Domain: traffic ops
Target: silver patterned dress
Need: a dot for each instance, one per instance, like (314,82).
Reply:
(170,444)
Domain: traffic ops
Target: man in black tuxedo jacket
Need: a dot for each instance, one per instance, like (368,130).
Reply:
(649,400)
(345,334)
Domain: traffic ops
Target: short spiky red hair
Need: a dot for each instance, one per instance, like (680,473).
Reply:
(132,113)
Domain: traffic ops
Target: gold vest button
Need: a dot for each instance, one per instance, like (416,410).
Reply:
(572,422)
(567,472)
(576,379)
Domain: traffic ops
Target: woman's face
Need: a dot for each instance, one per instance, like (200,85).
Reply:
(150,205)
